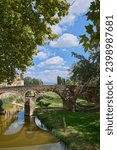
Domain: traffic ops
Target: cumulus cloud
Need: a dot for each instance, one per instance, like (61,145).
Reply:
(31,73)
(57,29)
(57,60)
(77,8)
(31,67)
(65,41)
(54,67)
(42,55)
(68,20)
(48,76)
(51,75)
(58,67)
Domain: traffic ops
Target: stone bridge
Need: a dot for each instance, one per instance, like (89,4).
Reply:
(69,94)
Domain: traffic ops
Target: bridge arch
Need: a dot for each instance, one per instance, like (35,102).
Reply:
(30,93)
(51,98)
(9,93)
(68,94)
(31,101)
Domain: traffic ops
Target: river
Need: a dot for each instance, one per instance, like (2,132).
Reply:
(18,132)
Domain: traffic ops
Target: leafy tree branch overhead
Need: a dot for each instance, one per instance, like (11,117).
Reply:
(87,70)
(24,24)
(92,38)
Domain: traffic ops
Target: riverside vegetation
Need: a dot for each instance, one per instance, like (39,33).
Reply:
(7,102)
(78,130)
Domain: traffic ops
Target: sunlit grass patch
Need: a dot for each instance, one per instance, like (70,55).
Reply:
(82,128)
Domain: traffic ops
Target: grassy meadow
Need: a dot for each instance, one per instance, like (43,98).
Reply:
(78,130)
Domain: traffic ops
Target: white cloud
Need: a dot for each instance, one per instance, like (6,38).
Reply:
(57,60)
(58,67)
(28,73)
(51,75)
(68,20)
(31,68)
(41,48)
(56,29)
(44,53)
(41,55)
(77,8)
(31,73)
(65,41)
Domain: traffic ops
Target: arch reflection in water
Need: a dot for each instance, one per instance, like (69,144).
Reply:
(17,125)
(23,134)
(40,124)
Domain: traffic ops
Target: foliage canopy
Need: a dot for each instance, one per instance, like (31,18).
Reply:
(87,70)
(32,81)
(24,24)
(91,40)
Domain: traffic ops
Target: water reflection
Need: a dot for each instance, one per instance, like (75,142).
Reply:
(17,125)
(19,131)
(40,124)
(6,119)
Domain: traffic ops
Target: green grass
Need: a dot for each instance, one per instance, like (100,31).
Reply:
(53,99)
(84,102)
(9,100)
(79,130)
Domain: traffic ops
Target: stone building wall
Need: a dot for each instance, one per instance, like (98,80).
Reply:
(18,81)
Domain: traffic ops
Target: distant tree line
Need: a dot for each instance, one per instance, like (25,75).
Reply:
(60,80)
(63,81)
(32,81)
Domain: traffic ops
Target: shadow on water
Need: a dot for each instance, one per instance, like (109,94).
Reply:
(18,132)
(1,108)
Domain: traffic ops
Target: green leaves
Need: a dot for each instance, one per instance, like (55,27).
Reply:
(32,81)
(85,40)
(89,28)
(86,71)
(24,25)
(60,80)
(92,38)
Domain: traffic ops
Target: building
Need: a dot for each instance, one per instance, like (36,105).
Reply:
(18,81)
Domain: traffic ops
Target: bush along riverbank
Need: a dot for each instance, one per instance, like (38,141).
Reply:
(78,130)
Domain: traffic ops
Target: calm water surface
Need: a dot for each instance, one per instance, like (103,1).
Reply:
(22,133)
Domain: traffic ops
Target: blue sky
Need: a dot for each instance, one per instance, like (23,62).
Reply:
(55,59)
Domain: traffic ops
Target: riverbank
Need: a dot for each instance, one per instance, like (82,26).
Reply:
(78,130)
(52,146)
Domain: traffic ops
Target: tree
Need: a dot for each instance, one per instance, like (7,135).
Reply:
(36,81)
(24,25)
(63,81)
(70,82)
(27,81)
(91,40)
(86,71)
(32,81)
(60,80)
